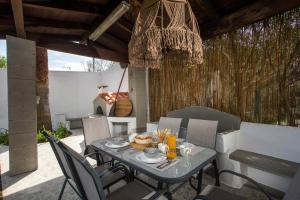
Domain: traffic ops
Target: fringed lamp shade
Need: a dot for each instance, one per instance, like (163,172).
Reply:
(165,27)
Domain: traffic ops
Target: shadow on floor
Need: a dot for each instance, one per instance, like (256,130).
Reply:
(13,179)
(48,190)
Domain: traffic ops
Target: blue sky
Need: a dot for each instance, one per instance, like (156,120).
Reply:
(58,61)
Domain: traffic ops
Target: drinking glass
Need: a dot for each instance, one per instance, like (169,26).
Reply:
(171,142)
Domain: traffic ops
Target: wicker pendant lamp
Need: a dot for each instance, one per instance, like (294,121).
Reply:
(165,27)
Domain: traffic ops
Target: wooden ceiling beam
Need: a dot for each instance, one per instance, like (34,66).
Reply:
(34,21)
(101,2)
(95,51)
(54,30)
(85,17)
(106,40)
(247,15)
(17,9)
(38,37)
(38,11)
(40,26)
(113,43)
(208,7)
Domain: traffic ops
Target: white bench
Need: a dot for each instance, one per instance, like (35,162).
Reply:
(280,142)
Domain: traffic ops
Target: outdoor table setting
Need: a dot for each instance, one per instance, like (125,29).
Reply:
(160,155)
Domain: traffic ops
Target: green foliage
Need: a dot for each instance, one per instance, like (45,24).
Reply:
(4,136)
(60,133)
(3,62)
(40,137)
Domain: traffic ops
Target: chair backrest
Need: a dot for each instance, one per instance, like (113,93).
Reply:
(95,128)
(170,123)
(202,132)
(84,175)
(226,120)
(61,159)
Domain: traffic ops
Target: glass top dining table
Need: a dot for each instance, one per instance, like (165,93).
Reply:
(181,171)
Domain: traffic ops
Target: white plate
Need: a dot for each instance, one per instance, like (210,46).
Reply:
(141,157)
(114,146)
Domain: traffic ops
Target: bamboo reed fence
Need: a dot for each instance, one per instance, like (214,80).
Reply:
(253,72)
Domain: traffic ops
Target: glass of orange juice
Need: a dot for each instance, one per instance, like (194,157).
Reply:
(171,142)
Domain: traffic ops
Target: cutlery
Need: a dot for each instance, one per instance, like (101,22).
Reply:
(165,164)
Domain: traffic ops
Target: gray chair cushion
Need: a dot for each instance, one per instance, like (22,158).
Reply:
(293,193)
(226,121)
(216,193)
(173,124)
(95,128)
(202,133)
(63,161)
(85,176)
(133,191)
(91,189)
(111,178)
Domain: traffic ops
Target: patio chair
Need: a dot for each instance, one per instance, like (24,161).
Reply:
(92,185)
(211,192)
(63,165)
(173,124)
(94,129)
(203,133)
(121,171)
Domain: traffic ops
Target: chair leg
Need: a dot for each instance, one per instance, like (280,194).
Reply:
(216,173)
(168,194)
(98,159)
(72,186)
(62,189)
(131,174)
(159,185)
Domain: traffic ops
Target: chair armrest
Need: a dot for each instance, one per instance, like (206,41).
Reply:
(99,157)
(248,179)
(113,169)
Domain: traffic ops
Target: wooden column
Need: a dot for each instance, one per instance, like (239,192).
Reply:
(42,89)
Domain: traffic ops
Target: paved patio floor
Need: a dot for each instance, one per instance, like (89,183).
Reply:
(46,182)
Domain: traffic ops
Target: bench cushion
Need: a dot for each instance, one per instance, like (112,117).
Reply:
(293,192)
(266,163)
(226,121)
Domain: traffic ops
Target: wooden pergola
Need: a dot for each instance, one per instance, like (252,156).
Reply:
(64,25)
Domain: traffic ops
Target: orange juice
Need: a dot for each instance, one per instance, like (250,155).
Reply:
(171,142)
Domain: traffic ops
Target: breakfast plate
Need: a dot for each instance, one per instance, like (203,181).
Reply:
(143,158)
(114,146)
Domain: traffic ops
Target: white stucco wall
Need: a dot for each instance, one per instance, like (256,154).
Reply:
(70,93)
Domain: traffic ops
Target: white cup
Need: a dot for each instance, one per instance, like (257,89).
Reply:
(186,149)
(163,147)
